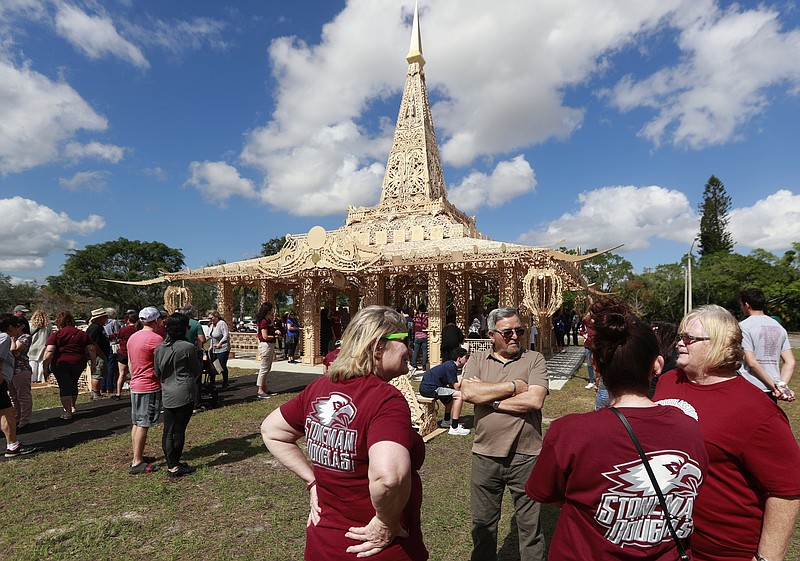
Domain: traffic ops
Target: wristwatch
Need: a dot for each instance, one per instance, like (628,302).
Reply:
(496,405)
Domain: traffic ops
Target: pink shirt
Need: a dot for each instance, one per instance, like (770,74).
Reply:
(141,347)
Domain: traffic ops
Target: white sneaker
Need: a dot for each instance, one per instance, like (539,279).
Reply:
(589,386)
(446,424)
(458,431)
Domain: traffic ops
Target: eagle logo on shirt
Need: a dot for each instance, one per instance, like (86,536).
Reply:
(335,410)
(630,510)
(330,442)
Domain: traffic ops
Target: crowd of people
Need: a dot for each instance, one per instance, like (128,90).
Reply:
(688,456)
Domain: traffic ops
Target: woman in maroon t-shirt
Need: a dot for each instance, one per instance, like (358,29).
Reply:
(366,493)
(67,350)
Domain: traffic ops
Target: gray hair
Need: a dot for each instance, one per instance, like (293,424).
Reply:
(112,313)
(498,314)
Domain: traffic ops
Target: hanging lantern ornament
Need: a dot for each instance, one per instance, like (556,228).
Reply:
(176,297)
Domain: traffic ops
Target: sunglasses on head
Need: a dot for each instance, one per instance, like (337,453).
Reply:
(508,333)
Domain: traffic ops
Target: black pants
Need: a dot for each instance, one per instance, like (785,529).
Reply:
(291,347)
(175,422)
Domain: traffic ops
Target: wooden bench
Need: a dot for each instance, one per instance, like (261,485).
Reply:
(424,410)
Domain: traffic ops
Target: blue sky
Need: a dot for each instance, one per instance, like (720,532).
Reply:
(213,126)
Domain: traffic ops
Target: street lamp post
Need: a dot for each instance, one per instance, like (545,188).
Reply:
(687,287)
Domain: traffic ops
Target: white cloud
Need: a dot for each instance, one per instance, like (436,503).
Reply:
(96,36)
(91,180)
(218,181)
(731,60)
(508,180)
(500,83)
(772,223)
(37,231)
(179,36)
(98,150)
(622,214)
(156,172)
(37,116)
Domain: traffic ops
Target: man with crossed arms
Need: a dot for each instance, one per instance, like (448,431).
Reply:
(508,386)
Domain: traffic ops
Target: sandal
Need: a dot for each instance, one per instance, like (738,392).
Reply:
(144,467)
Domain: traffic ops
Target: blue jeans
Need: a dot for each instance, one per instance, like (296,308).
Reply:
(223,362)
(423,344)
(601,399)
(589,366)
(110,382)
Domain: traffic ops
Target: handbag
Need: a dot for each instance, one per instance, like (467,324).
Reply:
(681,551)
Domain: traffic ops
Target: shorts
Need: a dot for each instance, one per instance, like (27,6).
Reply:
(445,394)
(100,370)
(5,400)
(145,408)
(122,359)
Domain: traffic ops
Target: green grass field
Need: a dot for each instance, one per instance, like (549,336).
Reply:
(81,504)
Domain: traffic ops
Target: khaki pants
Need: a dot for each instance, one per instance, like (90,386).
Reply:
(266,351)
(490,477)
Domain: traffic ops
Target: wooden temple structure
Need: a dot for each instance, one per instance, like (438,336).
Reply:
(413,246)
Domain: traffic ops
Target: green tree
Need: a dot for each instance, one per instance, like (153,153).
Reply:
(656,294)
(130,260)
(607,271)
(721,276)
(714,234)
(26,293)
(272,246)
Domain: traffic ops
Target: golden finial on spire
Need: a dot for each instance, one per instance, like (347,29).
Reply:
(415,50)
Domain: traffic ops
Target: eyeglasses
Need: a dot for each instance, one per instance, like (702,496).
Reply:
(689,339)
(396,336)
(508,333)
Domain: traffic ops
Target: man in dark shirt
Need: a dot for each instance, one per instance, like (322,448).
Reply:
(102,346)
(452,337)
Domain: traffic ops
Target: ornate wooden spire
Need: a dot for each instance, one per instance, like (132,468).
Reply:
(414,170)
(413,185)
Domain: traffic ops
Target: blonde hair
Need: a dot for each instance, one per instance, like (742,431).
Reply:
(39,319)
(725,352)
(361,339)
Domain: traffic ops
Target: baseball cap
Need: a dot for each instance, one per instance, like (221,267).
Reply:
(21,309)
(149,314)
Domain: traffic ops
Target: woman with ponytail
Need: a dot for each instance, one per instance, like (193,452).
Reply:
(590,466)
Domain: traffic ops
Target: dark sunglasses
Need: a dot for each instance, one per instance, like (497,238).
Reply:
(508,333)
(689,339)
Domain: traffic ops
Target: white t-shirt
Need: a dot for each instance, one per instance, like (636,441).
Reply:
(764,337)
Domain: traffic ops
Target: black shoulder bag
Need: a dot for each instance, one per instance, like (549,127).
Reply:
(681,551)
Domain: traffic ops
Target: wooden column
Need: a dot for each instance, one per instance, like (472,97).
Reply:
(506,286)
(225,301)
(352,301)
(437,294)
(461,301)
(266,291)
(375,291)
(309,320)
